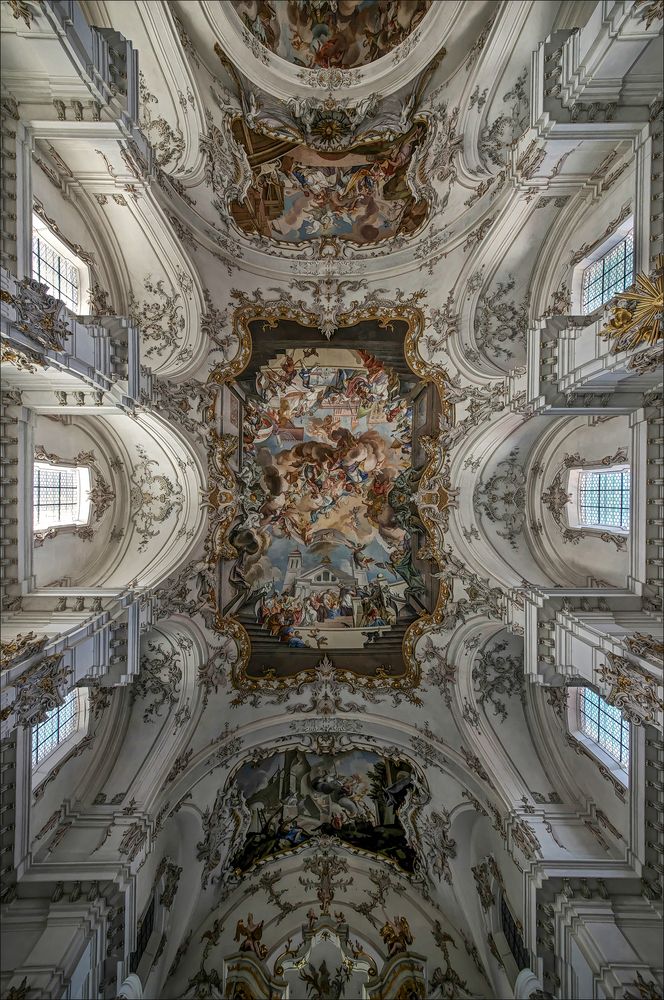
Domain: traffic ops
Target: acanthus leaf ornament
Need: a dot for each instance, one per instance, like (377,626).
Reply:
(37,691)
(632,690)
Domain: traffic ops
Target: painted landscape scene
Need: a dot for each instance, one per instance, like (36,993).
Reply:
(355,797)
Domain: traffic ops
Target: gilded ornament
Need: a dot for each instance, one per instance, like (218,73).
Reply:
(640,321)
(221,496)
(21,647)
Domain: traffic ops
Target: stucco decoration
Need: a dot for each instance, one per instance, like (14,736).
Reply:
(326,35)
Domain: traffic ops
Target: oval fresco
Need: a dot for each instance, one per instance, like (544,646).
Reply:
(355,797)
(360,195)
(331,33)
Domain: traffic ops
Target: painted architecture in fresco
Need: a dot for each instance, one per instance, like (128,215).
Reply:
(360,195)
(355,797)
(344,33)
(327,538)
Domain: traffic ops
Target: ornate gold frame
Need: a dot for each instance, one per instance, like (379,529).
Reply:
(222,495)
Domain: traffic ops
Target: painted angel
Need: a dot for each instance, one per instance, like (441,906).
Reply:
(251,933)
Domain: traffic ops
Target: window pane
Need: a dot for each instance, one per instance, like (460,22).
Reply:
(605,725)
(60,495)
(61,276)
(604,499)
(606,277)
(59,723)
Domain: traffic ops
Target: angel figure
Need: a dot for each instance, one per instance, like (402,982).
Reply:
(397,935)
(252,934)
(359,560)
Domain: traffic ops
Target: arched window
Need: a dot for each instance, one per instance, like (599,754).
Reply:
(56,265)
(513,935)
(608,274)
(601,498)
(60,495)
(60,723)
(605,725)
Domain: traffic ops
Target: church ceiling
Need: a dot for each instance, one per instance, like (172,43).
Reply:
(335,235)
(342,34)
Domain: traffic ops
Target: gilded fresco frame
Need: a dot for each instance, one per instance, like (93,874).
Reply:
(222,495)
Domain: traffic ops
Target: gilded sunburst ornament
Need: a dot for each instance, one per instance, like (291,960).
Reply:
(640,321)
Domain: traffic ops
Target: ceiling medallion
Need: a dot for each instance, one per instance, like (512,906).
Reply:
(326,503)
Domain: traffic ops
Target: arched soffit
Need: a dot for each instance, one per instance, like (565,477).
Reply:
(486,552)
(333,892)
(495,284)
(171,104)
(443,26)
(216,780)
(159,287)
(150,723)
(493,690)
(163,519)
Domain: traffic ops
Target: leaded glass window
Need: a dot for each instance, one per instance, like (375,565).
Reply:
(513,936)
(59,723)
(605,725)
(60,495)
(604,498)
(606,277)
(52,269)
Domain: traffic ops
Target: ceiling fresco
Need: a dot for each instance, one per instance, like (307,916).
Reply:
(331,33)
(327,543)
(354,797)
(362,194)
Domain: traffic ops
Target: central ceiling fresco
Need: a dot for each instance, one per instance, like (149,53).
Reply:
(327,540)
(331,33)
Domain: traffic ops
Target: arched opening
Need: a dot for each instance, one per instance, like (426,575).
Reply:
(54,264)
(605,272)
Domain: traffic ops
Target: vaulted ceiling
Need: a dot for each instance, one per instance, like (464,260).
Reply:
(333,225)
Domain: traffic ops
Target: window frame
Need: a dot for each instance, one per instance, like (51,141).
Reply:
(83,473)
(602,756)
(603,250)
(574,518)
(43,768)
(586,307)
(519,952)
(41,230)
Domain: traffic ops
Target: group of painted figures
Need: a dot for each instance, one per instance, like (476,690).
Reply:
(329,492)
(359,607)
(396,934)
